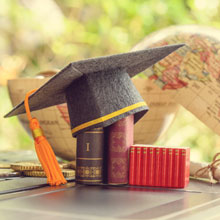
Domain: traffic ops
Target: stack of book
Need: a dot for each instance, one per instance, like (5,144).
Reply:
(103,157)
(102,154)
(159,166)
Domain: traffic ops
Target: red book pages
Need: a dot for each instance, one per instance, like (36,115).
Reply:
(150,176)
(144,166)
(184,167)
(120,138)
(138,166)
(176,167)
(132,166)
(169,167)
(163,167)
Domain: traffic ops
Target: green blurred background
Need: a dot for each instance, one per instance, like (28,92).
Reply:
(38,35)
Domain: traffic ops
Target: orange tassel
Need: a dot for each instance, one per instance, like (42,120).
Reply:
(44,151)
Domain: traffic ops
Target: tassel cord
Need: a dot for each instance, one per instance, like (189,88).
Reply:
(43,149)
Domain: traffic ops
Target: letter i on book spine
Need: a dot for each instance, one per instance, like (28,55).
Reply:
(120,139)
(89,161)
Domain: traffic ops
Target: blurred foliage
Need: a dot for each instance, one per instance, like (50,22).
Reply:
(40,35)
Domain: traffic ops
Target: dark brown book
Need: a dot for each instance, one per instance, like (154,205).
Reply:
(89,161)
(120,138)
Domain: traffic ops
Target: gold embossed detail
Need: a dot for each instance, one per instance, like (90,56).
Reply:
(88,180)
(119,167)
(118,142)
(89,172)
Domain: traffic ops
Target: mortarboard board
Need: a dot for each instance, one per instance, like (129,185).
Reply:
(98,91)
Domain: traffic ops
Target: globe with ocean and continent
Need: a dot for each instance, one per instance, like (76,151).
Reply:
(191,75)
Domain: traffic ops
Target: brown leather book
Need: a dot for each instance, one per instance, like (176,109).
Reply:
(89,161)
(120,138)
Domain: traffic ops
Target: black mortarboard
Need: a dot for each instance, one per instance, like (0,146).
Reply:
(98,91)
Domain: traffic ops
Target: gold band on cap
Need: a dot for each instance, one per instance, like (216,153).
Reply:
(109,116)
(37,132)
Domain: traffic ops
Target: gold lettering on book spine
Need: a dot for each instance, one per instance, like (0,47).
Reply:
(87,147)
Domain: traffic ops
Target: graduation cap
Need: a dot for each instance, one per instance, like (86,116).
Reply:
(98,91)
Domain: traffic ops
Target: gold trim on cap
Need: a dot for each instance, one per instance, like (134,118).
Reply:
(109,116)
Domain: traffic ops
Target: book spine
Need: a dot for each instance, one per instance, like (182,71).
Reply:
(169,167)
(144,167)
(176,168)
(187,152)
(138,166)
(135,165)
(157,173)
(89,161)
(151,167)
(184,168)
(132,159)
(163,167)
(120,138)
(187,166)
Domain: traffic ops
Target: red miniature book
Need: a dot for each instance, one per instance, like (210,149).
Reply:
(187,151)
(120,138)
(138,166)
(176,167)
(157,167)
(169,167)
(184,164)
(151,166)
(161,166)
(144,166)
(132,166)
